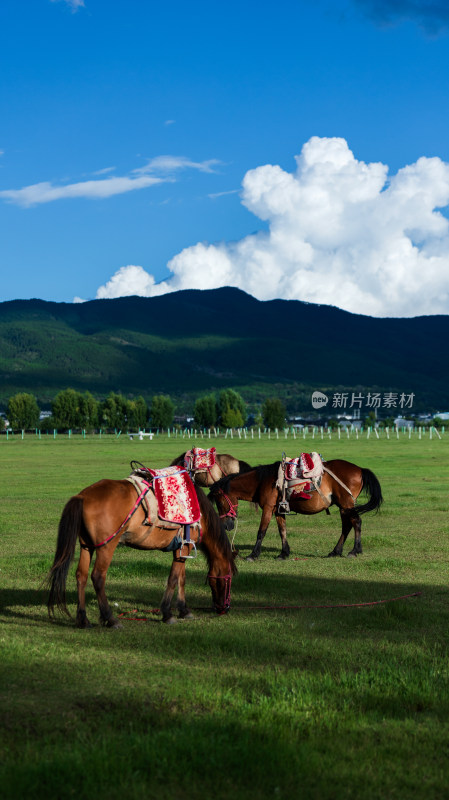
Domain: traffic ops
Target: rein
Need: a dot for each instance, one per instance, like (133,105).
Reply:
(127,518)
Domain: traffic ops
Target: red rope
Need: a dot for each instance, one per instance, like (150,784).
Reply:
(341,605)
(133,510)
(281,608)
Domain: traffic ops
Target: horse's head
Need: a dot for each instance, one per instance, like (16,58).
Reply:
(227,504)
(221,590)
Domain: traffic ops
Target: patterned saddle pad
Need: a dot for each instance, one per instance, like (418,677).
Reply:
(197,459)
(175,494)
(307,466)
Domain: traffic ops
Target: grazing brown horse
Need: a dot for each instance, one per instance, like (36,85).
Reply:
(224,465)
(98,514)
(259,486)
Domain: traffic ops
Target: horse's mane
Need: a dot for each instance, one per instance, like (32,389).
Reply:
(216,528)
(267,470)
(177,461)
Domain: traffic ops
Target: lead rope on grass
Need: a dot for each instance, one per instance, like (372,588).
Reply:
(281,608)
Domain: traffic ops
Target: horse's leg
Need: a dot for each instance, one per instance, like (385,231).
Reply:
(181,605)
(175,578)
(101,566)
(81,580)
(267,513)
(285,551)
(348,520)
(356,523)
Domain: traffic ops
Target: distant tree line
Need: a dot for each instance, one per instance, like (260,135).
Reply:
(71,410)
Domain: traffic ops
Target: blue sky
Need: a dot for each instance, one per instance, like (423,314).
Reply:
(135,140)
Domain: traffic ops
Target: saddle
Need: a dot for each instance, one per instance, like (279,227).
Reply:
(170,498)
(298,477)
(199,460)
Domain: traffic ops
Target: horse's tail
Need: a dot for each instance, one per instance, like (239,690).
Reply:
(372,487)
(70,526)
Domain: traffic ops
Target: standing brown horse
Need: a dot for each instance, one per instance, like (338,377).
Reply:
(98,514)
(224,465)
(259,486)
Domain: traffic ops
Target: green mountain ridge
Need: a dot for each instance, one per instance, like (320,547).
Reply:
(194,342)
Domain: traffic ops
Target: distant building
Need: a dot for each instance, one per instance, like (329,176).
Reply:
(443,415)
(400,422)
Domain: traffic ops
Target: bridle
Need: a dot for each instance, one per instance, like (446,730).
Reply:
(232,510)
(227,601)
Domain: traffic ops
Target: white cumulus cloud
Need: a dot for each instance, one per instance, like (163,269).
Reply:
(131,280)
(340,232)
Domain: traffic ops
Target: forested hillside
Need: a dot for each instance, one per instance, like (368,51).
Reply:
(192,342)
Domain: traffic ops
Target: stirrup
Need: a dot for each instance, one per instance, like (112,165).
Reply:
(195,552)
(283,507)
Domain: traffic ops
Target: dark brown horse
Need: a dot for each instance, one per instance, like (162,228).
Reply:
(259,486)
(224,465)
(97,515)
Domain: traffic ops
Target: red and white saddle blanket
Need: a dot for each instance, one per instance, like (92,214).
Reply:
(175,494)
(297,475)
(197,460)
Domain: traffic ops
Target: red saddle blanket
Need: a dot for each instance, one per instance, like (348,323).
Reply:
(175,494)
(198,459)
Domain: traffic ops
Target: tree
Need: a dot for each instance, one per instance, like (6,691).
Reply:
(232,418)
(137,413)
(114,412)
(23,411)
(88,411)
(371,419)
(162,411)
(71,409)
(273,412)
(205,412)
(65,409)
(231,409)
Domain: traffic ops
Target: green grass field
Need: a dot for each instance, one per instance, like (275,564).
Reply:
(314,701)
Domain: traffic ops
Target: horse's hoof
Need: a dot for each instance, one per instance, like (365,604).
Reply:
(334,555)
(250,558)
(81,620)
(189,615)
(170,620)
(84,624)
(281,557)
(352,555)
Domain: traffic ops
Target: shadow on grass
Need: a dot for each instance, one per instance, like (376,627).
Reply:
(140,749)
(252,591)
(83,728)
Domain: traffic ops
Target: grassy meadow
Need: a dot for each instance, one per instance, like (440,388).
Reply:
(300,691)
